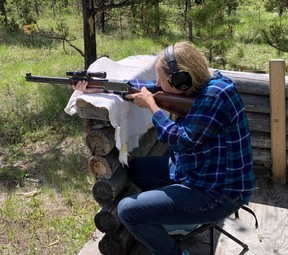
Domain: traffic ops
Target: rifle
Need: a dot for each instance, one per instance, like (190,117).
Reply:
(177,104)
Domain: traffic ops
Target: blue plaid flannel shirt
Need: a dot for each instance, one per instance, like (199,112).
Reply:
(210,148)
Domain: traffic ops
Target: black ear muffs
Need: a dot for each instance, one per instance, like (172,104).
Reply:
(180,80)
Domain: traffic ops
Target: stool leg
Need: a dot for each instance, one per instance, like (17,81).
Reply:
(237,215)
(212,240)
(245,246)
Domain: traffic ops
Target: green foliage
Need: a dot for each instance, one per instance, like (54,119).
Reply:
(20,12)
(213,21)
(279,6)
(214,25)
(146,18)
(276,36)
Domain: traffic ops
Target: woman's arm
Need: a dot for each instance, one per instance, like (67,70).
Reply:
(144,99)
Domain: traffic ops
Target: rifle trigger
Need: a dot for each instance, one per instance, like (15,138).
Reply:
(123,94)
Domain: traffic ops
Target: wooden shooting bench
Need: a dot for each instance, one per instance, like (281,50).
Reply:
(264,97)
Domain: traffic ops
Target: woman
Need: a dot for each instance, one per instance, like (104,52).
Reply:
(209,173)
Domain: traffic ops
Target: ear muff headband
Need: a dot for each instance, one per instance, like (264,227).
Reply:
(181,80)
(170,59)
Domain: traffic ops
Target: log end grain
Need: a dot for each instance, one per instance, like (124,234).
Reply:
(101,141)
(107,222)
(99,167)
(103,192)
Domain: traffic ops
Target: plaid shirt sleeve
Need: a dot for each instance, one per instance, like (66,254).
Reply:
(200,125)
(149,84)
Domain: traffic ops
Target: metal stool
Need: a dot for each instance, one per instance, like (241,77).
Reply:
(214,225)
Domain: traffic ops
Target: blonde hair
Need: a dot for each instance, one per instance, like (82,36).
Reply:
(190,60)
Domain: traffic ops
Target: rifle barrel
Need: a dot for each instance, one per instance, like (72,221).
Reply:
(44,79)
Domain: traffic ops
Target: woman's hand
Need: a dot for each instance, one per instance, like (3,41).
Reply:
(144,99)
(82,86)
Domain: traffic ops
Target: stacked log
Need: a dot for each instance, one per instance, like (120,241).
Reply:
(111,180)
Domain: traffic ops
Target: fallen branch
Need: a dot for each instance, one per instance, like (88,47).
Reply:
(61,38)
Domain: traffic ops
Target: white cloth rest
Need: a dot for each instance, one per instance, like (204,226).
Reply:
(130,122)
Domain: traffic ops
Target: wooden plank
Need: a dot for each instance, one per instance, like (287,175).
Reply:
(270,204)
(259,122)
(252,83)
(260,140)
(278,119)
(262,157)
(256,103)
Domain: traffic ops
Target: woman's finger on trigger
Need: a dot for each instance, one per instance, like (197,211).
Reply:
(129,96)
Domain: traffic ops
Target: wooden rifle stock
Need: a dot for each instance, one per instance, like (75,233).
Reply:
(177,104)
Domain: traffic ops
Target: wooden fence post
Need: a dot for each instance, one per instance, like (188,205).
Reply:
(278,119)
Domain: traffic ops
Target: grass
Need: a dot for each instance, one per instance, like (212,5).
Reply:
(60,228)
(46,206)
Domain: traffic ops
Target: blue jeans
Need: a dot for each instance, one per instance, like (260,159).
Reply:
(166,202)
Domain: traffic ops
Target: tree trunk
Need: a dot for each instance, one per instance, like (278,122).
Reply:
(90,53)
(189,21)
(3,11)
(100,15)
